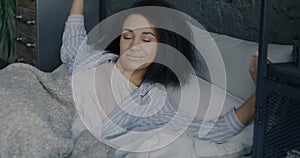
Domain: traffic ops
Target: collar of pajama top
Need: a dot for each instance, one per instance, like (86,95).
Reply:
(89,57)
(138,106)
(139,110)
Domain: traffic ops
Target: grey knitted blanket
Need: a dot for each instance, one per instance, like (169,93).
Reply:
(36,111)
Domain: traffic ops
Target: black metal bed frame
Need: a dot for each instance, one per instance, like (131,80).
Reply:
(277,115)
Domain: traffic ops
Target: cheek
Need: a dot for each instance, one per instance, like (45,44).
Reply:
(124,45)
(151,50)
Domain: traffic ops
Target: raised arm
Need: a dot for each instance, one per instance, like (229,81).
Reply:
(230,124)
(245,113)
(73,35)
(77,7)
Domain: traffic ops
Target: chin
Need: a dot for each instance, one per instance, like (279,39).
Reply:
(132,66)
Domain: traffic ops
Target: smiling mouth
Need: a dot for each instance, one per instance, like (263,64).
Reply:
(134,57)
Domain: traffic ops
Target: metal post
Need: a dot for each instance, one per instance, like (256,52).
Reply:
(258,141)
(297,49)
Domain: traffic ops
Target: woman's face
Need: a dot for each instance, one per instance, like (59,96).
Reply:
(138,44)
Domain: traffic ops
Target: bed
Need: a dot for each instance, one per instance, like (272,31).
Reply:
(37,108)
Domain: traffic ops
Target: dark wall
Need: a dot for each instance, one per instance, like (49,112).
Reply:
(237,18)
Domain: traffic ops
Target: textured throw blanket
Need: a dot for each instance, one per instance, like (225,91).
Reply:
(36,111)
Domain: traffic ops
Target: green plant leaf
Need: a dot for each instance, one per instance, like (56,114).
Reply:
(7,27)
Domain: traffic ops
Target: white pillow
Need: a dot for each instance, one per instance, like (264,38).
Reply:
(236,55)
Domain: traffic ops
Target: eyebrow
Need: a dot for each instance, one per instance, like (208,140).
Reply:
(145,33)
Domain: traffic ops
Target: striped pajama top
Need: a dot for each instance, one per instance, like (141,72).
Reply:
(148,97)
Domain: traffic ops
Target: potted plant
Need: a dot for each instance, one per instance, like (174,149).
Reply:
(7,29)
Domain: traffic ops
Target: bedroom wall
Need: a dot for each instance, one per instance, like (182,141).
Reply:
(237,18)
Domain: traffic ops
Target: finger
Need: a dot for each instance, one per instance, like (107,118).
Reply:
(254,61)
(256,55)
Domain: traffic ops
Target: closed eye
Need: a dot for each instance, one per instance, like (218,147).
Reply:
(146,40)
(126,37)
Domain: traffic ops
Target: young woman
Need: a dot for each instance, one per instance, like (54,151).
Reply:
(130,82)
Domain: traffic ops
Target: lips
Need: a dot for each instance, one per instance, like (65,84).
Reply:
(134,57)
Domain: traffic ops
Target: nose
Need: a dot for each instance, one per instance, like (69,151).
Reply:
(135,43)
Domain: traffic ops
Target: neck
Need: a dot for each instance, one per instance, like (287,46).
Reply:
(135,77)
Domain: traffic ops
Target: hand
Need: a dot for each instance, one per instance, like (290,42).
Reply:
(253,67)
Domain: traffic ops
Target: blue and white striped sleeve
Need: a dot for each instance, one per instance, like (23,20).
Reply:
(73,36)
(219,130)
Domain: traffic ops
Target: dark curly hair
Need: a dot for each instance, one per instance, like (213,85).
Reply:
(177,71)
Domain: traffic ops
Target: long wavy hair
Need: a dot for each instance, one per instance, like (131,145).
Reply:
(177,72)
